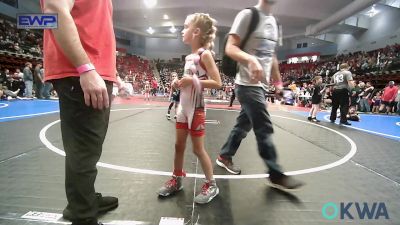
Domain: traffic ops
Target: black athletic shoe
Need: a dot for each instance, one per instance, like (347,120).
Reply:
(83,223)
(285,182)
(309,118)
(106,204)
(315,120)
(332,121)
(345,123)
(86,222)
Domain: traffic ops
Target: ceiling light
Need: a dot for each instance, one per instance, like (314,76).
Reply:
(167,24)
(372,12)
(166,17)
(172,29)
(150,3)
(150,30)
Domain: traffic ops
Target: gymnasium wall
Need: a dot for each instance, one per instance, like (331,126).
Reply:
(384,29)
(165,48)
(168,48)
(327,49)
(133,43)
(24,6)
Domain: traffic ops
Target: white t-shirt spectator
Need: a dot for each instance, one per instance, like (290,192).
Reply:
(261,44)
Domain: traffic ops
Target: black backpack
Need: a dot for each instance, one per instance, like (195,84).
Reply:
(229,66)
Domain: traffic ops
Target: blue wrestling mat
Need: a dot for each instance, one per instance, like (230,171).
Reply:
(21,109)
(382,125)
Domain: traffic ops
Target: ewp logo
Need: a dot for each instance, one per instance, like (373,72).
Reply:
(377,211)
(37,21)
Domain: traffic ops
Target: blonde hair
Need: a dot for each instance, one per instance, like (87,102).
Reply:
(314,80)
(344,66)
(206,24)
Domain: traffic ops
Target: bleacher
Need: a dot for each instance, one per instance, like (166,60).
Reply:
(378,66)
(135,70)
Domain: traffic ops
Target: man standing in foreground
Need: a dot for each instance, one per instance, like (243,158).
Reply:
(79,59)
(257,63)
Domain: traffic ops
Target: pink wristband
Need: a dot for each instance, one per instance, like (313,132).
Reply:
(85,68)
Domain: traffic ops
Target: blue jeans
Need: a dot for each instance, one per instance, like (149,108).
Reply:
(364,105)
(39,89)
(28,88)
(46,90)
(254,115)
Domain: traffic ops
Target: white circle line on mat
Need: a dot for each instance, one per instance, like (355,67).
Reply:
(3,105)
(347,157)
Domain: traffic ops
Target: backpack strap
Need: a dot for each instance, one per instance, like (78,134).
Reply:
(255,19)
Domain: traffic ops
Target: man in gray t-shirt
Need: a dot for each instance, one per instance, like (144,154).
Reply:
(261,45)
(343,83)
(341,79)
(257,63)
(28,80)
(39,81)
